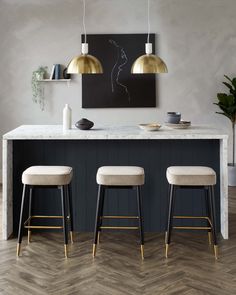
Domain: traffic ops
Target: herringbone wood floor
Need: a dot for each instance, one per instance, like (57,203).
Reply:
(117,269)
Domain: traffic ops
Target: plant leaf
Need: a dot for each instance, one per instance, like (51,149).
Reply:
(228,78)
(234,82)
(228,85)
(222,97)
(227,101)
(220,113)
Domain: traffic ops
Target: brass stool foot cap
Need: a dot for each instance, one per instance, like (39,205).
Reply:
(29,236)
(216,251)
(71,237)
(209,237)
(98,237)
(94,249)
(66,251)
(167,249)
(18,249)
(166,237)
(142,251)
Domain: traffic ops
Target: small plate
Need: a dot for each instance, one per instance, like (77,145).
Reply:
(181,125)
(150,127)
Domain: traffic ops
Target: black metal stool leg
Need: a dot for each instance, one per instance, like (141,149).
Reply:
(170,218)
(70,211)
(98,216)
(140,215)
(101,215)
(208,213)
(20,231)
(63,205)
(30,212)
(213,219)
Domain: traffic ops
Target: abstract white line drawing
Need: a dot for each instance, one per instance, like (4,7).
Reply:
(121,61)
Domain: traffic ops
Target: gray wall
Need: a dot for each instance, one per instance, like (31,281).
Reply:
(196,38)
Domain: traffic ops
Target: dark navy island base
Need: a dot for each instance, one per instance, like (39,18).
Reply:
(85,156)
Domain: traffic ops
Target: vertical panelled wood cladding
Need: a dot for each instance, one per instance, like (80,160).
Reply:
(85,156)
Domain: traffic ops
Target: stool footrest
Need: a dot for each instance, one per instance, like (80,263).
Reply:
(120,227)
(43,227)
(44,216)
(119,217)
(194,217)
(192,227)
(26,223)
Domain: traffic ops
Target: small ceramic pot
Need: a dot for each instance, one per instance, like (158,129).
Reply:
(84,124)
(173,117)
(65,74)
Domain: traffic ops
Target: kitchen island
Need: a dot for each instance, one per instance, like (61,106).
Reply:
(85,151)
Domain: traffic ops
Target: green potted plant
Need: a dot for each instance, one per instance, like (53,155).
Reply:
(227,104)
(37,86)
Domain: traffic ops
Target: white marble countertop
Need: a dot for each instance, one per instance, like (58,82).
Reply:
(55,132)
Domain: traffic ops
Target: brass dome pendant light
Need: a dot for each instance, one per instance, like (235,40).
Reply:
(148,63)
(84,63)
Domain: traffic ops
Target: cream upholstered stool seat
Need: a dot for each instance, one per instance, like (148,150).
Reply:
(47,177)
(115,177)
(197,177)
(191,175)
(120,175)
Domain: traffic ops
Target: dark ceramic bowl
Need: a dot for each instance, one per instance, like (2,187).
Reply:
(84,124)
(173,117)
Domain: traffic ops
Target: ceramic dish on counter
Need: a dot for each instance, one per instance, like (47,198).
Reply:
(181,125)
(150,127)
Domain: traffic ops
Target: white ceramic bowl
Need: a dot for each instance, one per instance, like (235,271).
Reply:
(182,125)
(150,126)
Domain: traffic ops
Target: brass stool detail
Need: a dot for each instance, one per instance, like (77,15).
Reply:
(118,177)
(189,177)
(47,177)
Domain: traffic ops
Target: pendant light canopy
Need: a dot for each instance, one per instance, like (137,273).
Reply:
(84,63)
(149,63)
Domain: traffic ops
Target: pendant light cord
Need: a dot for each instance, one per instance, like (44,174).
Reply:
(148,20)
(85,34)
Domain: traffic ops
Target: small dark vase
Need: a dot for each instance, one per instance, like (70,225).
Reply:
(65,74)
(84,124)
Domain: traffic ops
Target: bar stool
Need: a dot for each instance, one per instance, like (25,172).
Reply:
(47,177)
(189,177)
(118,177)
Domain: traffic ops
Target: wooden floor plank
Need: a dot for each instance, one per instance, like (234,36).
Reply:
(117,269)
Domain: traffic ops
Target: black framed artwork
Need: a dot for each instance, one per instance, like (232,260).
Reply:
(117,87)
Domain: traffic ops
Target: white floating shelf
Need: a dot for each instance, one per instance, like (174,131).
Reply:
(55,80)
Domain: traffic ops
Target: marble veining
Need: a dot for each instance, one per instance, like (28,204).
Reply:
(113,132)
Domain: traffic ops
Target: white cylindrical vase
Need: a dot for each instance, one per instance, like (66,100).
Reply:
(67,117)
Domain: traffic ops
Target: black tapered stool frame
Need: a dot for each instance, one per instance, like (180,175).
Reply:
(100,217)
(67,214)
(210,218)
